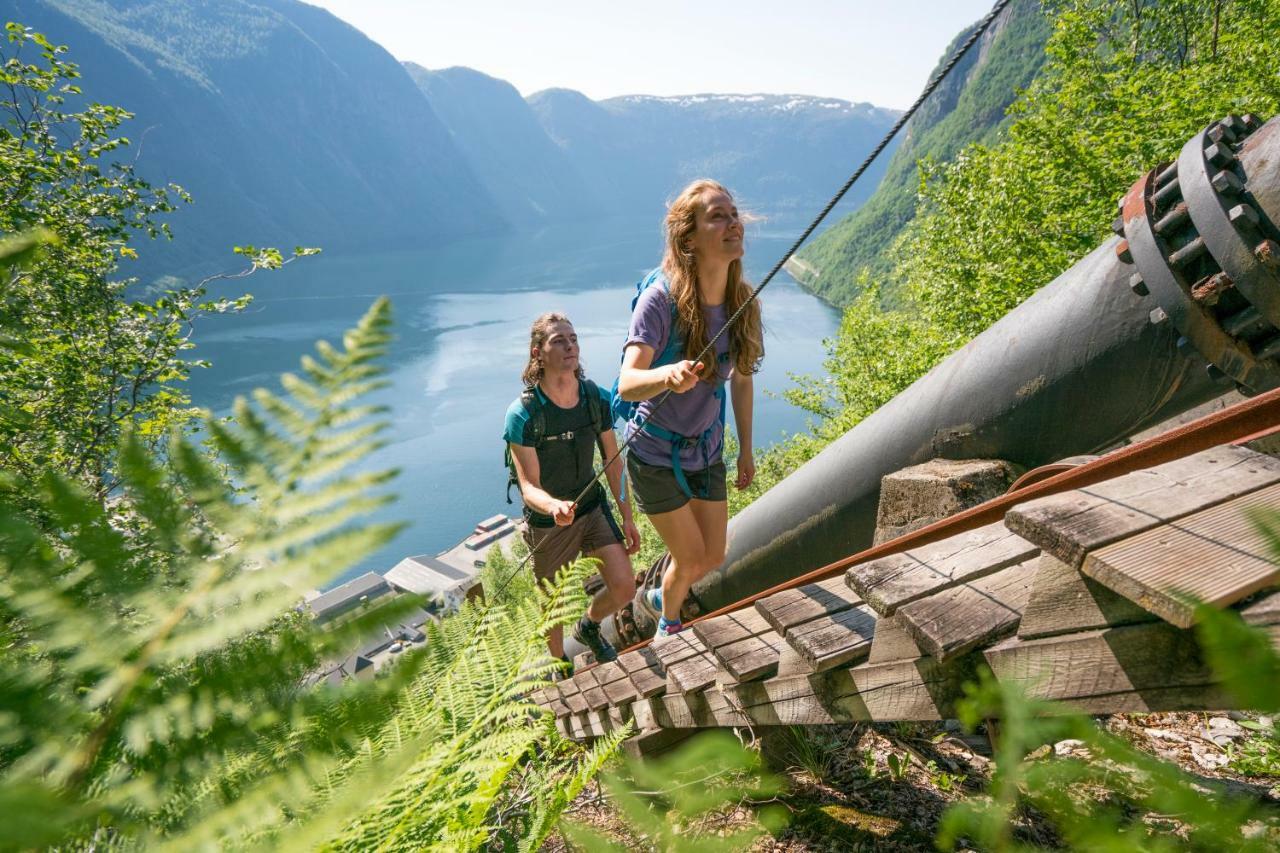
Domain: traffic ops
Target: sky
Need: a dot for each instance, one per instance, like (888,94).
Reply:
(858,50)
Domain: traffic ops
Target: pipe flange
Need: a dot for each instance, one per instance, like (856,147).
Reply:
(1187,228)
(1228,220)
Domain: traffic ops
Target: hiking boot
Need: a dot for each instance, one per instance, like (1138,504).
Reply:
(666,629)
(588,633)
(564,673)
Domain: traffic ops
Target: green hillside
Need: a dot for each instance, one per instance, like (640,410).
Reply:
(968,107)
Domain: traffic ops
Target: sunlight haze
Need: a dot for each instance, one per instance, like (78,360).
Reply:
(859,51)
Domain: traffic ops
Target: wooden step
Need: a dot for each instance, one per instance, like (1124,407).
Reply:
(688,663)
(1217,556)
(1071,524)
(975,613)
(792,607)
(743,643)
(613,680)
(890,582)
(645,671)
(831,641)
(571,693)
(592,695)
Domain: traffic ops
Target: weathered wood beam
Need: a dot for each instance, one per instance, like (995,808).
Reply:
(832,641)
(1071,524)
(959,619)
(1217,556)
(1134,668)
(789,608)
(1064,601)
(890,582)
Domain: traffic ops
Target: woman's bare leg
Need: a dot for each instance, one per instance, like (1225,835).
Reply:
(695,536)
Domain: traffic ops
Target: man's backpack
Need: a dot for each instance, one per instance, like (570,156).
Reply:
(535,404)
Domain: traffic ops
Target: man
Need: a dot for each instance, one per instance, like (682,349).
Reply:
(552,431)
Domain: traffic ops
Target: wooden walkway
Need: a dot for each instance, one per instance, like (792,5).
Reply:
(1081,597)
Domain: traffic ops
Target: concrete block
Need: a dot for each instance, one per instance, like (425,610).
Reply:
(923,494)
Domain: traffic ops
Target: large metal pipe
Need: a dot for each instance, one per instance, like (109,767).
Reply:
(1155,321)
(1166,315)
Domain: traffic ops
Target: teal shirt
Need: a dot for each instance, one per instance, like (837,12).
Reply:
(566,454)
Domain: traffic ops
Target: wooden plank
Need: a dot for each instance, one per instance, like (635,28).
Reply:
(622,691)
(1133,668)
(1071,524)
(1216,556)
(831,641)
(920,689)
(591,692)
(703,709)
(573,697)
(1063,601)
(743,643)
(730,628)
(553,702)
(791,700)
(645,671)
(789,608)
(890,582)
(690,667)
(893,641)
(654,742)
(750,659)
(962,618)
(613,680)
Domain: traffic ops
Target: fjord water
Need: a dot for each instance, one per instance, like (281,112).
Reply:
(462,315)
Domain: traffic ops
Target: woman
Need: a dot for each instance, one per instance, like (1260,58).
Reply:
(552,431)
(676,470)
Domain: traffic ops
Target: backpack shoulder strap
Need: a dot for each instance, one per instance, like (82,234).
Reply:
(532,402)
(674,346)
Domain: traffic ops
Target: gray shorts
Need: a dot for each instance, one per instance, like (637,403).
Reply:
(655,489)
(557,547)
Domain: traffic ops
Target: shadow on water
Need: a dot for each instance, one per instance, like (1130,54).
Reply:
(462,320)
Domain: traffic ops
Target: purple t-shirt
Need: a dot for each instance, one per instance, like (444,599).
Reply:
(690,413)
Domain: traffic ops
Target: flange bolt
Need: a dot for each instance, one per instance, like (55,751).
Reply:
(1227,182)
(1219,155)
(1268,252)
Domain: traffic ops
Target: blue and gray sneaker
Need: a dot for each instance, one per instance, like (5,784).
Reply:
(666,628)
(588,633)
